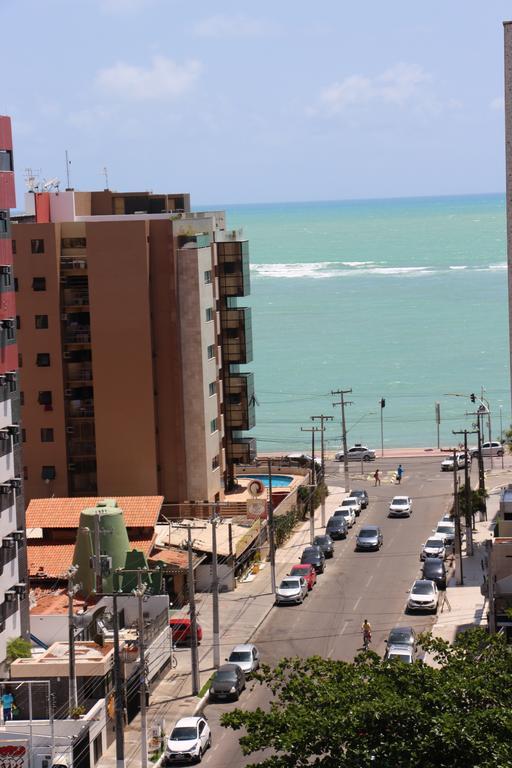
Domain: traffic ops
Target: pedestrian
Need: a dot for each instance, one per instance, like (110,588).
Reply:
(399,473)
(376,477)
(7,705)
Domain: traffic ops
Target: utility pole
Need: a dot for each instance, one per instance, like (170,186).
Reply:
(501,436)
(322,418)
(193,616)
(459,577)
(270,528)
(382,406)
(118,683)
(467,493)
(481,471)
(343,403)
(140,591)
(72,590)
(214,520)
(438,423)
(313,479)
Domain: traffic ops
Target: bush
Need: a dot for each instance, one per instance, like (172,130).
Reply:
(18,648)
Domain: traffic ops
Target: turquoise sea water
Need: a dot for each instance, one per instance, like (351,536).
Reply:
(403,299)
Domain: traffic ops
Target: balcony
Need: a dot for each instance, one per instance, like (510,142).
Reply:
(239,406)
(196,240)
(78,373)
(77,336)
(236,335)
(241,450)
(80,409)
(75,298)
(73,266)
(233,269)
(79,449)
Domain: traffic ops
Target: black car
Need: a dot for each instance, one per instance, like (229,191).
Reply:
(325,543)
(362,496)
(402,636)
(435,570)
(228,682)
(337,528)
(315,557)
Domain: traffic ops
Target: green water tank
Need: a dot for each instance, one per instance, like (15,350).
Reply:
(113,541)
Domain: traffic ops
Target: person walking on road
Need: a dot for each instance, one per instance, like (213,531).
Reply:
(399,473)
(376,477)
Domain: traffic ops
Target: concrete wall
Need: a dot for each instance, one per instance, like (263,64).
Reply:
(204,577)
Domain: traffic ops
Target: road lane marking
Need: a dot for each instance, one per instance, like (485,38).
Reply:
(331,650)
(369,581)
(357,603)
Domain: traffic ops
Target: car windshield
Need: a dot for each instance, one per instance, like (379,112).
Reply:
(422,588)
(434,544)
(184,733)
(240,656)
(367,533)
(178,627)
(289,584)
(400,500)
(445,528)
(357,493)
(348,502)
(321,540)
(399,636)
(310,553)
(224,675)
(401,657)
(298,570)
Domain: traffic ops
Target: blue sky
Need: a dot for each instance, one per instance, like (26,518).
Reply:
(274,101)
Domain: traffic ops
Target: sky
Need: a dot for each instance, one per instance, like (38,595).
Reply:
(239,102)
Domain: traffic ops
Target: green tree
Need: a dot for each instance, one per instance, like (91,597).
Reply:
(18,648)
(377,714)
(507,438)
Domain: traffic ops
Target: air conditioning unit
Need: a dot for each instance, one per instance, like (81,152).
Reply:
(15,483)
(70,430)
(71,467)
(13,430)
(5,489)
(68,393)
(10,596)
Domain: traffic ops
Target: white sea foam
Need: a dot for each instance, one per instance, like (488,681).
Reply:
(497,266)
(321,270)
(462,266)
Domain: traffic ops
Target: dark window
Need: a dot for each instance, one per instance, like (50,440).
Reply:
(18,322)
(22,398)
(6,160)
(43,359)
(234,399)
(44,397)
(25,473)
(37,246)
(20,360)
(48,472)
(13,244)
(4,222)
(209,314)
(46,435)
(39,284)
(208,277)
(6,272)
(74,242)
(211,352)
(23,435)
(213,426)
(215,462)
(41,321)
(212,388)
(16,284)
(232,333)
(229,267)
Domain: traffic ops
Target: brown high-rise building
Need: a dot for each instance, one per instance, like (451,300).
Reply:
(130,342)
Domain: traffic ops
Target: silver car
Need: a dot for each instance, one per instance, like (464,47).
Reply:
(293,589)
(356,453)
(433,547)
(246,656)
(369,537)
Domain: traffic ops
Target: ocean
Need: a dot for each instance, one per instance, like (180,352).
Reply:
(402,299)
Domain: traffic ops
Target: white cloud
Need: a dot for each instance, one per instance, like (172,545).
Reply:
(222,26)
(396,85)
(498,103)
(163,79)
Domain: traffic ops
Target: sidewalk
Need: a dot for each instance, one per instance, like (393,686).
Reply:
(241,614)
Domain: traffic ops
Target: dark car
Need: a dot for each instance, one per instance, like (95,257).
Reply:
(228,682)
(369,537)
(337,528)
(402,636)
(435,570)
(315,557)
(325,543)
(362,496)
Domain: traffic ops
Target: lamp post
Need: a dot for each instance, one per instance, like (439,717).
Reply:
(501,436)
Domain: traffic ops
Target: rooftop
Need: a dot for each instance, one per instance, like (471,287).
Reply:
(138,511)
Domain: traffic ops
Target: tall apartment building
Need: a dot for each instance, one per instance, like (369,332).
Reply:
(13,560)
(131,343)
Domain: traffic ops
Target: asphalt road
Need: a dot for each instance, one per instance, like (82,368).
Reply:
(355,586)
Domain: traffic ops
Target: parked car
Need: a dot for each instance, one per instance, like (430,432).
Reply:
(447,464)
(433,547)
(435,570)
(347,513)
(228,682)
(337,528)
(246,656)
(307,572)
(356,453)
(446,531)
(292,589)
(352,502)
(402,636)
(362,496)
(315,557)
(403,653)
(423,596)
(304,458)
(325,543)
(401,506)
(189,740)
(493,448)
(369,537)
(181,629)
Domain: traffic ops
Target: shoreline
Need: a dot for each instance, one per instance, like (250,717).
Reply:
(389,453)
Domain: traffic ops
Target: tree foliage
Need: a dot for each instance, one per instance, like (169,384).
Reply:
(18,648)
(335,714)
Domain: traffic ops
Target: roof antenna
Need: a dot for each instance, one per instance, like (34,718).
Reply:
(68,164)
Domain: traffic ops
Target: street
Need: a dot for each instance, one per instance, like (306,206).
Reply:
(355,586)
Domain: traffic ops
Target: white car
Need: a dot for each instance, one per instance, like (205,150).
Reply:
(246,656)
(352,502)
(401,506)
(423,596)
(493,448)
(400,652)
(348,513)
(356,453)
(446,531)
(293,589)
(433,547)
(447,464)
(189,740)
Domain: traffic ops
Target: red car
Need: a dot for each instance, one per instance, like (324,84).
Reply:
(182,631)
(307,572)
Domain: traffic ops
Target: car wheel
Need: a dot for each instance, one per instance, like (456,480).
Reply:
(367,458)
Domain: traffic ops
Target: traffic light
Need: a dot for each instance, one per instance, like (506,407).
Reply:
(473,398)
(382,403)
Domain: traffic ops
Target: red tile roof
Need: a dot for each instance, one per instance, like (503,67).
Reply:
(139,511)
(46,559)
(171,557)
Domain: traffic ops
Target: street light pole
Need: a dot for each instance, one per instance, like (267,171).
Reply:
(501,436)
(343,403)
(459,577)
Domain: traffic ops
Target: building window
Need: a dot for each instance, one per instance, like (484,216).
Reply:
(48,472)
(43,359)
(213,426)
(74,242)
(5,271)
(44,397)
(25,473)
(37,246)
(16,284)
(234,399)
(4,224)
(229,267)
(18,322)
(13,246)
(41,321)
(39,284)
(6,160)
(23,435)
(232,333)
(46,435)
(209,314)
(208,277)
(20,360)
(22,398)
(215,462)
(211,351)
(212,388)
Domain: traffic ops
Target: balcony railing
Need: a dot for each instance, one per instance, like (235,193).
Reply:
(73,265)
(75,297)
(77,337)
(82,411)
